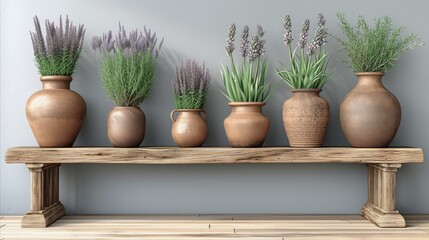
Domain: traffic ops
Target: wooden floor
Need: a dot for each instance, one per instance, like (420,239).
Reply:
(261,227)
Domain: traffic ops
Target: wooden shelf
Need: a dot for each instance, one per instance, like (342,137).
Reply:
(213,155)
(44,163)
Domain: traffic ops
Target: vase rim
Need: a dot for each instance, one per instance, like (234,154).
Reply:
(56,78)
(188,110)
(306,90)
(246,104)
(369,73)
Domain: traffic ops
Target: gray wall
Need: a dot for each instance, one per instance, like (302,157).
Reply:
(197,29)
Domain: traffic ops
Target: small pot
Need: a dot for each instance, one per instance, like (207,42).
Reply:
(55,114)
(126,126)
(246,126)
(370,115)
(189,128)
(305,118)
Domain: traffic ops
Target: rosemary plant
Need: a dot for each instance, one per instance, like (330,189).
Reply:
(373,49)
(128,65)
(191,85)
(57,54)
(308,68)
(246,82)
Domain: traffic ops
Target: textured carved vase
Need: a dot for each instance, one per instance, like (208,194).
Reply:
(190,127)
(56,113)
(246,126)
(126,126)
(305,118)
(370,115)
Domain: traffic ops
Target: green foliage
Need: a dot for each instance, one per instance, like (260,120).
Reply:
(62,64)
(306,72)
(246,83)
(127,80)
(190,100)
(376,49)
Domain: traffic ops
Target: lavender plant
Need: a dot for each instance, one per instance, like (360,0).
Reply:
(246,82)
(58,52)
(128,64)
(307,69)
(191,85)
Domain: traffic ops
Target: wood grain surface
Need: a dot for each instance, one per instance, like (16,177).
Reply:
(213,155)
(215,227)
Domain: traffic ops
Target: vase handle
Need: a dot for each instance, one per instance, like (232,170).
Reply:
(172,116)
(204,115)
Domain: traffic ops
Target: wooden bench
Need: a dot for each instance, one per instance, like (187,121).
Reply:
(43,163)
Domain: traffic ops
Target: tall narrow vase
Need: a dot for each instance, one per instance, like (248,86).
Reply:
(189,129)
(305,118)
(55,113)
(246,126)
(370,115)
(126,126)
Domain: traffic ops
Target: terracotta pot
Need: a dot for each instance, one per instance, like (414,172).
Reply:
(305,118)
(126,126)
(56,113)
(190,128)
(370,115)
(246,126)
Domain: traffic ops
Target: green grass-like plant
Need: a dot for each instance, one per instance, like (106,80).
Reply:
(127,67)
(373,49)
(191,85)
(127,81)
(308,68)
(59,51)
(246,83)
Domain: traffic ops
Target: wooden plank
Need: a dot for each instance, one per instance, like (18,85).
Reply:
(213,155)
(251,227)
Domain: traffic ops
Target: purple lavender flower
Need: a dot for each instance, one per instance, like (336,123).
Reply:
(62,45)
(320,38)
(134,42)
(260,33)
(304,34)
(190,87)
(230,40)
(254,52)
(244,48)
(288,38)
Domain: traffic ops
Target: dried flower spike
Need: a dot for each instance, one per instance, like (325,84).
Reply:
(320,36)
(230,40)
(244,49)
(304,34)
(288,38)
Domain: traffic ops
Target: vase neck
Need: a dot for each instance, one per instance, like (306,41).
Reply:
(306,92)
(368,80)
(246,107)
(56,82)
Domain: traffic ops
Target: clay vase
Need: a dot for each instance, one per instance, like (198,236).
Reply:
(55,114)
(126,127)
(246,126)
(305,118)
(370,115)
(189,128)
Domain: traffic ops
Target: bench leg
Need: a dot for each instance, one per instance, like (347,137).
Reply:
(45,206)
(381,205)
